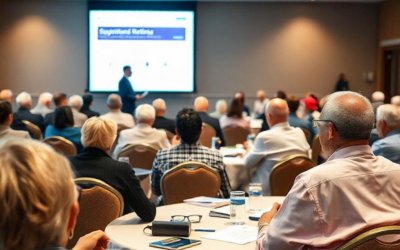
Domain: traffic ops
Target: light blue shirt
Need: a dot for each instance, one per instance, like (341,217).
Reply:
(388,147)
(70,133)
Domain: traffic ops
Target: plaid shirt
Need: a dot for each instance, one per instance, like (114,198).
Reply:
(168,158)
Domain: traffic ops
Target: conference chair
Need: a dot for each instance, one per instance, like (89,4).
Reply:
(61,145)
(120,127)
(99,205)
(234,135)
(141,155)
(307,133)
(368,240)
(207,135)
(170,135)
(188,180)
(285,172)
(316,148)
(34,129)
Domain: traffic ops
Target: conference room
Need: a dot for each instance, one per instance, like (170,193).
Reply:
(223,124)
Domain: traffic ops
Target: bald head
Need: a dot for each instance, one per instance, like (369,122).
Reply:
(6,95)
(395,100)
(276,111)
(201,104)
(159,106)
(378,96)
(261,95)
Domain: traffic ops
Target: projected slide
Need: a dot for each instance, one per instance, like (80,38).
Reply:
(158,45)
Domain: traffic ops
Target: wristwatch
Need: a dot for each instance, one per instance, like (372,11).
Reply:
(266,224)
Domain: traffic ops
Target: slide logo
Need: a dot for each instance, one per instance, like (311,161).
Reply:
(141,33)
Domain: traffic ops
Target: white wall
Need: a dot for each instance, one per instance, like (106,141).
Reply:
(297,47)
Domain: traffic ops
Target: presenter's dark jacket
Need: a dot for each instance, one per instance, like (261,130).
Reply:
(25,114)
(164,123)
(96,163)
(87,111)
(213,122)
(128,96)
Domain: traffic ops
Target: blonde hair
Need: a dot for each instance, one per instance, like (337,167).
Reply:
(37,191)
(98,132)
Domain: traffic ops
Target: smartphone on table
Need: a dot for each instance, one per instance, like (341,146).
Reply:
(175,243)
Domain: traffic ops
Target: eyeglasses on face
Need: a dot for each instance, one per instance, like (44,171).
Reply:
(316,123)
(194,218)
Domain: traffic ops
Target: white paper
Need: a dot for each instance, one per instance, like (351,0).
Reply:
(258,214)
(207,201)
(236,234)
(144,94)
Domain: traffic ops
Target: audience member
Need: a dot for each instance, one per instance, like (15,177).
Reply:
(294,121)
(189,127)
(241,97)
(322,102)
(7,95)
(161,122)
(274,145)
(24,103)
(64,127)
(143,132)
(43,106)
(114,104)
(352,192)
(310,105)
(395,100)
(201,107)
(6,117)
(260,104)
(98,135)
(87,103)
(40,202)
(280,94)
(76,102)
(60,100)
(388,128)
(342,84)
(220,109)
(378,99)
(234,116)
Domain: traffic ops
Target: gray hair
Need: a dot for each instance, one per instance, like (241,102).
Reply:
(114,101)
(351,113)
(23,98)
(145,112)
(390,114)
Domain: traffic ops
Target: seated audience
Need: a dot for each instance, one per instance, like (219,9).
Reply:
(234,116)
(310,106)
(395,100)
(98,135)
(6,95)
(43,106)
(388,128)
(201,107)
(161,122)
(87,103)
(143,132)
(377,100)
(241,97)
(64,127)
(76,102)
(6,117)
(24,103)
(272,146)
(114,104)
(294,121)
(220,109)
(280,94)
(189,127)
(352,192)
(40,202)
(260,104)
(60,100)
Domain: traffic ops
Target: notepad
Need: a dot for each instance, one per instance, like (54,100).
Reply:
(222,212)
(207,201)
(236,234)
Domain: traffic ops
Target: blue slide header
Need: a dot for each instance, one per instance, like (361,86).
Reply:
(139,33)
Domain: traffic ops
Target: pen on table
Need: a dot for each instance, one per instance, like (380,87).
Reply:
(204,230)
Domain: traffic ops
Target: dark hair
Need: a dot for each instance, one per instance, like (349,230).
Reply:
(189,124)
(293,103)
(5,111)
(87,99)
(281,94)
(242,99)
(235,108)
(58,98)
(63,117)
(126,67)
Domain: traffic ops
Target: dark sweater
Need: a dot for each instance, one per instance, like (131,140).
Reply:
(96,163)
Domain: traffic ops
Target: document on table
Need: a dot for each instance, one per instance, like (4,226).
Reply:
(236,234)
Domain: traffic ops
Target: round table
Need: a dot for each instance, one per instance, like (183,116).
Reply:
(127,231)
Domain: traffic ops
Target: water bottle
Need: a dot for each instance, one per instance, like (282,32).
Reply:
(255,197)
(250,140)
(238,210)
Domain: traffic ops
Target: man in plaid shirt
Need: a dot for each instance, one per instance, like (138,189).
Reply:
(189,127)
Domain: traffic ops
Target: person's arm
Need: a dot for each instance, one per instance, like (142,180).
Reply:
(256,153)
(156,175)
(96,240)
(124,87)
(225,183)
(219,133)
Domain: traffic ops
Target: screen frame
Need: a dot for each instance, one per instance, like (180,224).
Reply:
(142,6)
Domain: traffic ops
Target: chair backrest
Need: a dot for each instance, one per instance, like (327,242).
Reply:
(99,205)
(284,173)
(207,135)
(188,180)
(120,127)
(234,135)
(170,135)
(141,155)
(368,240)
(307,134)
(61,145)
(34,129)
(316,148)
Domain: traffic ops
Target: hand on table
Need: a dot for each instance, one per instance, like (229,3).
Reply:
(96,240)
(267,216)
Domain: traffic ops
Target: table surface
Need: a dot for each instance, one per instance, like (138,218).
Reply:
(127,231)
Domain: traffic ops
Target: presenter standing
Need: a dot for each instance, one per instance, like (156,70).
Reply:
(127,93)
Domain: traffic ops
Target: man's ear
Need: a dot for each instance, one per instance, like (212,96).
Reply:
(332,133)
